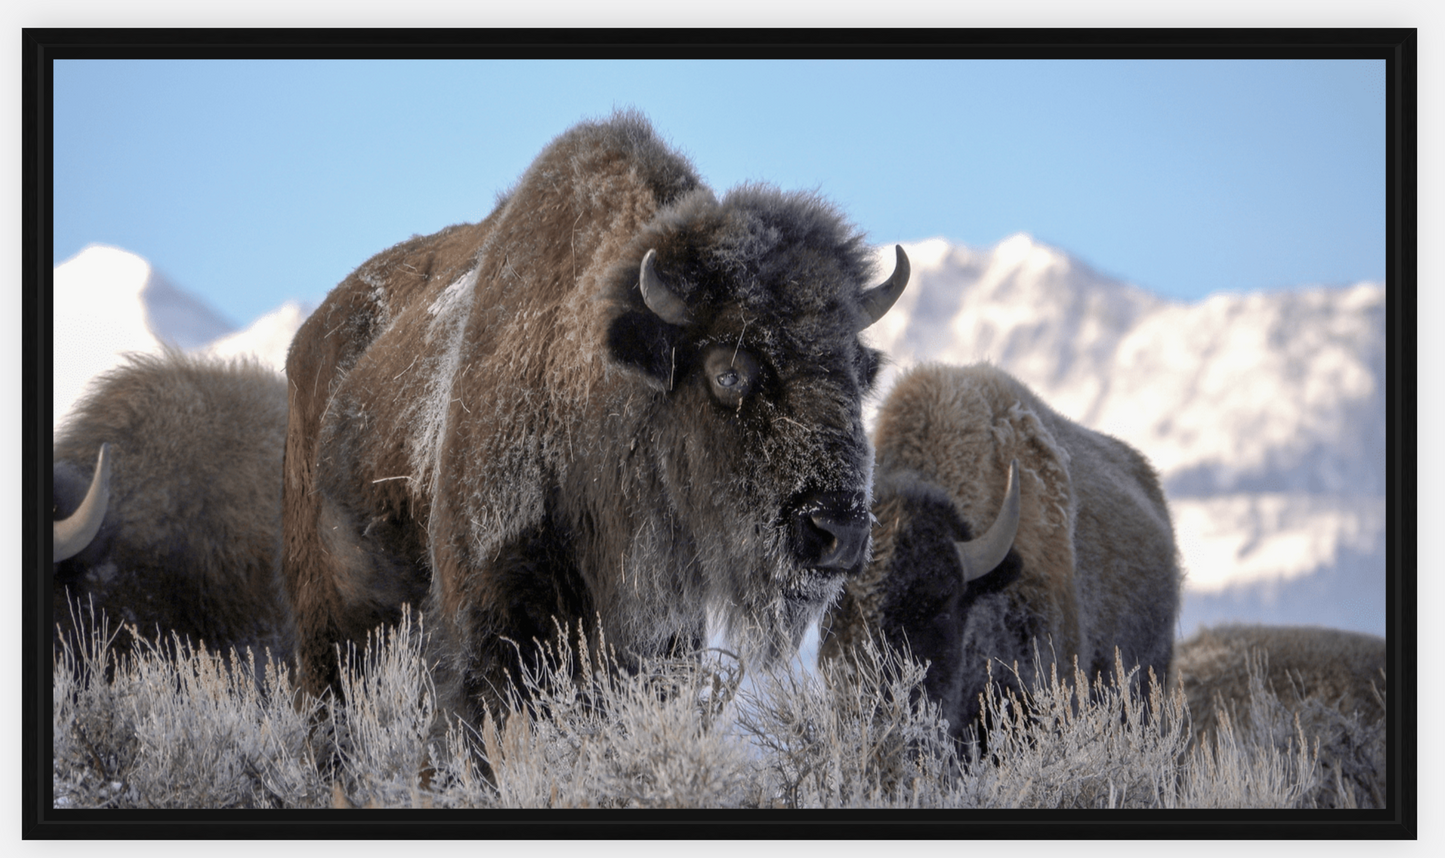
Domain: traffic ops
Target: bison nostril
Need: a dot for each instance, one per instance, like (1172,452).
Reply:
(849,539)
(831,531)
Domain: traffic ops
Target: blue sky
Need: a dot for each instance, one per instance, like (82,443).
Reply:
(248,183)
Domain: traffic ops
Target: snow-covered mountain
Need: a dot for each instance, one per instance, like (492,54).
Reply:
(109,302)
(267,338)
(1264,413)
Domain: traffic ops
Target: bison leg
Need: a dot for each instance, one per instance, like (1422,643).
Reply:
(534,590)
(350,584)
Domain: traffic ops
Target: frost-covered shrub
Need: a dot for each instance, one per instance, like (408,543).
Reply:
(857,734)
(1070,743)
(151,727)
(176,726)
(583,731)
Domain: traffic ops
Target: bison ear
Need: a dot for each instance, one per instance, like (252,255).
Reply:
(645,344)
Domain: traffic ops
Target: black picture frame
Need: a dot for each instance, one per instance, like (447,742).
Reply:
(1397,47)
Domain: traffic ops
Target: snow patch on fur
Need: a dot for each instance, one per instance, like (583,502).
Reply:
(429,412)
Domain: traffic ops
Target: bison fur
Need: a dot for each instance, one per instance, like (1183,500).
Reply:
(189,541)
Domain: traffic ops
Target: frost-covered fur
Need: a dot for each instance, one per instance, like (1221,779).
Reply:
(489,421)
(1094,565)
(192,534)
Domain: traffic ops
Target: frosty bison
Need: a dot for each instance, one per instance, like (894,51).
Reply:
(1332,680)
(176,526)
(1093,564)
(617,399)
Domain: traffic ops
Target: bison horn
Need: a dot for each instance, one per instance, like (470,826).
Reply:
(879,299)
(72,534)
(982,555)
(658,298)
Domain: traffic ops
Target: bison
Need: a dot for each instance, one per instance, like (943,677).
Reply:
(1333,681)
(167,503)
(617,403)
(1081,560)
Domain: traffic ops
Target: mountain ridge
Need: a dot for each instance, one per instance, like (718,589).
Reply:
(1249,391)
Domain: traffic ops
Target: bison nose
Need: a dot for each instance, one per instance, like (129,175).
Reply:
(831,530)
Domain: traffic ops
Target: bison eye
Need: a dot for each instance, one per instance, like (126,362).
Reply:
(732,374)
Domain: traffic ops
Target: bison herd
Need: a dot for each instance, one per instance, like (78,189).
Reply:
(622,402)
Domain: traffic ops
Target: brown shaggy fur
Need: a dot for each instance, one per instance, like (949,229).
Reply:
(191,537)
(490,422)
(1332,680)
(1094,564)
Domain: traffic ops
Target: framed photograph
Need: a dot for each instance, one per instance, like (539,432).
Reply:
(721,433)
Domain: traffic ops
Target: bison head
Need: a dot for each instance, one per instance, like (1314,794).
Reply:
(744,318)
(929,571)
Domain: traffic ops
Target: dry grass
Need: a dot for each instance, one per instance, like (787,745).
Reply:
(146,729)
(1345,747)
(857,734)
(189,728)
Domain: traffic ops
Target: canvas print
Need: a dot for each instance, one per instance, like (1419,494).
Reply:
(955,434)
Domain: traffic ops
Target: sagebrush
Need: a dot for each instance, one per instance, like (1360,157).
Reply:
(181,726)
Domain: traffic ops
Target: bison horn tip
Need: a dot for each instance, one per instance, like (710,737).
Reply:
(880,298)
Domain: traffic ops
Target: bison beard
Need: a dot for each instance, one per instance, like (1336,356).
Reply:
(617,400)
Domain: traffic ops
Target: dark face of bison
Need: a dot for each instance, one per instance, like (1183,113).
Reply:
(936,569)
(745,320)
